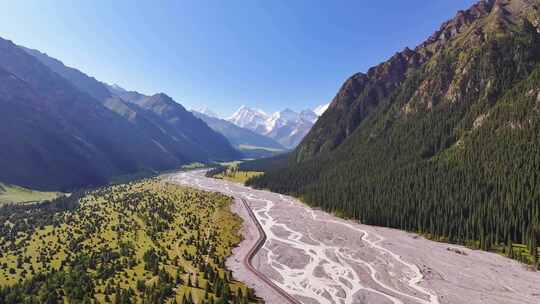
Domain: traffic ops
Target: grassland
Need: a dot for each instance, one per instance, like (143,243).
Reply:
(230,172)
(142,242)
(16,194)
(237,176)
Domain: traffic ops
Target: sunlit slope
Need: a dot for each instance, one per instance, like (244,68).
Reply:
(16,194)
(146,240)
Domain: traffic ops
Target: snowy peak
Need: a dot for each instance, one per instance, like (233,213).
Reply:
(321,109)
(252,119)
(245,112)
(287,127)
(287,115)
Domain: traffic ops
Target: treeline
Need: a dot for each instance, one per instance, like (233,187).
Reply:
(465,172)
(259,165)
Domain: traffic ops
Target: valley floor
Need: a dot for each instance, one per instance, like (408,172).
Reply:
(15,194)
(143,242)
(319,258)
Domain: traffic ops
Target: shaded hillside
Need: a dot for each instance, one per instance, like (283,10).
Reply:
(208,144)
(80,80)
(176,130)
(442,139)
(55,136)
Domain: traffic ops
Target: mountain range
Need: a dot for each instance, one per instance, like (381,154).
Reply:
(62,129)
(250,143)
(441,139)
(178,131)
(287,127)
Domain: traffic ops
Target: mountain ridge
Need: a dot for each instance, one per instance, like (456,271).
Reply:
(60,136)
(381,80)
(135,107)
(440,140)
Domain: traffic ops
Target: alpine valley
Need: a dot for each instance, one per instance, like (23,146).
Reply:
(417,183)
(79,131)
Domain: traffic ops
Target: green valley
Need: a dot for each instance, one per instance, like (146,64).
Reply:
(142,242)
(285,152)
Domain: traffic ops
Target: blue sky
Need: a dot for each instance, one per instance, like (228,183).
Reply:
(223,54)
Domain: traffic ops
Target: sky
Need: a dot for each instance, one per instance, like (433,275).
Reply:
(225,53)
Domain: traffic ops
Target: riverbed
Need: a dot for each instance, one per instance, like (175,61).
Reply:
(321,259)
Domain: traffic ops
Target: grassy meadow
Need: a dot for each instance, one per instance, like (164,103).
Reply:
(231,172)
(237,176)
(16,194)
(141,242)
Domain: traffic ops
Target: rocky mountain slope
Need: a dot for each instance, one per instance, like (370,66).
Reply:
(286,127)
(441,139)
(454,44)
(61,129)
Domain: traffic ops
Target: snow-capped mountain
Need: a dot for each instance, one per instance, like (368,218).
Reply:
(321,109)
(252,119)
(286,127)
(279,119)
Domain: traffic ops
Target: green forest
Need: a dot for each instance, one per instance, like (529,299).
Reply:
(461,165)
